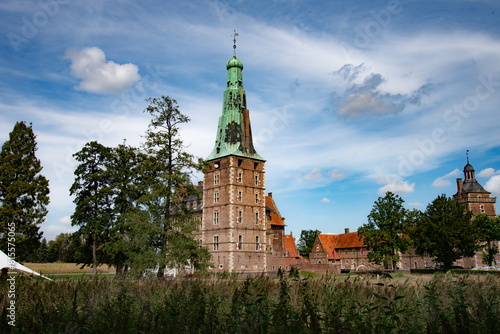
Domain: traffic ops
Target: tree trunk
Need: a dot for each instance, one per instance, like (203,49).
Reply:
(94,260)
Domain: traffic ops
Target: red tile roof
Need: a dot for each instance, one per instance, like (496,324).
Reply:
(275,214)
(331,242)
(290,246)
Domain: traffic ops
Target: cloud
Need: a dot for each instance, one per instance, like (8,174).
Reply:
(325,200)
(337,175)
(395,185)
(98,75)
(443,181)
(64,220)
(415,204)
(314,174)
(360,99)
(493,185)
(487,172)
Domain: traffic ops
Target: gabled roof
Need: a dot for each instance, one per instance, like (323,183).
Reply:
(331,242)
(472,186)
(276,218)
(290,246)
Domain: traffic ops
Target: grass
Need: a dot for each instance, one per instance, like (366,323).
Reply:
(442,303)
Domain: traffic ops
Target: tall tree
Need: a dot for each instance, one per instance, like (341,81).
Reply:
(170,168)
(306,242)
(24,192)
(127,188)
(91,188)
(489,234)
(445,232)
(385,234)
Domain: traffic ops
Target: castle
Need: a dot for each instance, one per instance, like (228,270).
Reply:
(242,227)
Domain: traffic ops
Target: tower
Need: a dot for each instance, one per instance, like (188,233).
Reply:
(234,228)
(472,195)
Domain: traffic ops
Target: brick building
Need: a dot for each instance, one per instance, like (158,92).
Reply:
(241,227)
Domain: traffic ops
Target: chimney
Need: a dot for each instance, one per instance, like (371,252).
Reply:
(346,230)
(270,195)
(459,187)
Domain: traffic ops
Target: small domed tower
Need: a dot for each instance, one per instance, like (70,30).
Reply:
(472,195)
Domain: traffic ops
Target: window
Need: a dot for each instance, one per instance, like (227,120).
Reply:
(216,179)
(257,220)
(255,165)
(257,199)
(217,164)
(240,216)
(240,242)
(275,234)
(257,246)
(257,180)
(354,252)
(216,242)
(240,162)
(238,198)
(216,197)
(216,217)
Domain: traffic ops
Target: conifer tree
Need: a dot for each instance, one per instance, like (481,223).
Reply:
(93,212)
(170,168)
(24,193)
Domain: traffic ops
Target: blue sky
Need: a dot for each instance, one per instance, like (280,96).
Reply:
(347,99)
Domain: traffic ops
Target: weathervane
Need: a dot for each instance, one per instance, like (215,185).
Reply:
(234,42)
(467,154)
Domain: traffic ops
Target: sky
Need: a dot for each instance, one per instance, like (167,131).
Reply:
(347,99)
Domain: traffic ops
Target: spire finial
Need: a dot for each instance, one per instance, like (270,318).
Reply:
(234,42)
(467,154)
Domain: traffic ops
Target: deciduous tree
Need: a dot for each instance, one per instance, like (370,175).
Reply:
(385,234)
(306,242)
(489,234)
(446,232)
(24,193)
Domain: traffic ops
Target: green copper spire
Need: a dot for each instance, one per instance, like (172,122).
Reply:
(234,134)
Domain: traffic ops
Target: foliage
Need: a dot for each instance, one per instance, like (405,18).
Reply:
(489,233)
(169,169)
(306,242)
(24,193)
(92,193)
(445,232)
(386,233)
(444,304)
(62,249)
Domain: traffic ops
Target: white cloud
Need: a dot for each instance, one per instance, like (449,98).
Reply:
(325,200)
(415,204)
(64,220)
(98,75)
(314,174)
(487,172)
(395,185)
(493,185)
(443,181)
(337,175)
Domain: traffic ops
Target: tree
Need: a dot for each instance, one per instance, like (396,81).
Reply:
(24,193)
(91,188)
(306,242)
(62,249)
(489,234)
(126,169)
(170,167)
(445,232)
(385,234)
